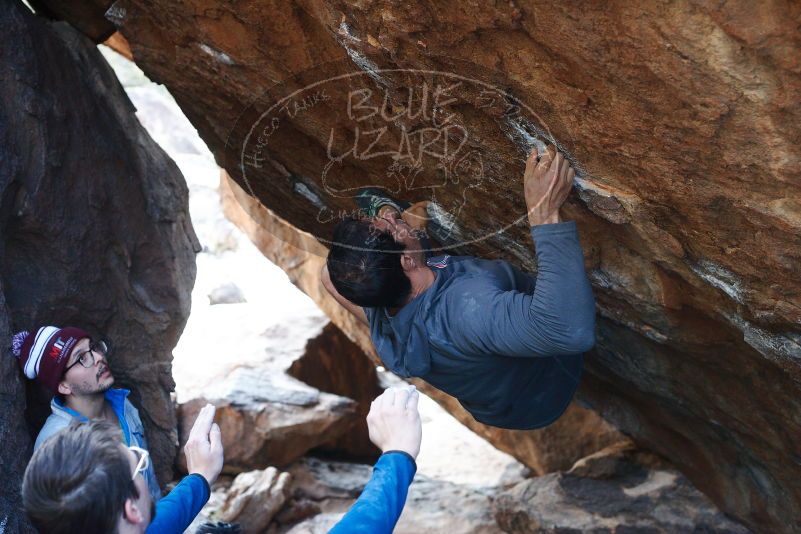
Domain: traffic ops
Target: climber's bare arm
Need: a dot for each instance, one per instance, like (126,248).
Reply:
(351,307)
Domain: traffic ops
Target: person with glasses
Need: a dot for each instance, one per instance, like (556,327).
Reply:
(74,368)
(84,479)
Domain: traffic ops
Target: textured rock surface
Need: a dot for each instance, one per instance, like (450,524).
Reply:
(334,364)
(94,229)
(578,433)
(254,498)
(237,356)
(13,432)
(85,16)
(321,491)
(627,498)
(267,418)
(683,120)
(432,505)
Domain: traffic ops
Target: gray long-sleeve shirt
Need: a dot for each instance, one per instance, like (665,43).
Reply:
(507,345)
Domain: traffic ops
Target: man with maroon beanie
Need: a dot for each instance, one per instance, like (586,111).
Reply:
(74,369)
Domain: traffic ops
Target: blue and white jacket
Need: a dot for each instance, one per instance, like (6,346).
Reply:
(132,430)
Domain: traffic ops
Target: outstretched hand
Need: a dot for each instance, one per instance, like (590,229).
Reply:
(546,185)
(394,421)
(203,449)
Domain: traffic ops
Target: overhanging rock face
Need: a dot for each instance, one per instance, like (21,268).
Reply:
(578,433)
(682,119)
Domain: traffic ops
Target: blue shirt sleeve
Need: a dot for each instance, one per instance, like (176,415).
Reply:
(176,511)
(380,505)
(557,318)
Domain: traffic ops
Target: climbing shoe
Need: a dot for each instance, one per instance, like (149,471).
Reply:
(370,200)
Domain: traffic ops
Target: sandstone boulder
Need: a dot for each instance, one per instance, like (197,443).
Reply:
(239,357)
(334,364)
(621,495)
(268,418)
(254,498)
(613,460)
(321,491)
(432,505)
(320,480)
(94,232)
(682,119)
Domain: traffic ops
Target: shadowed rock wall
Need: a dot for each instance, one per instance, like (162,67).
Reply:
(335,364)
(94,231)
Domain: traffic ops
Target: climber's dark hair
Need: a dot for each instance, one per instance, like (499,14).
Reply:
(365,265)
(79,480)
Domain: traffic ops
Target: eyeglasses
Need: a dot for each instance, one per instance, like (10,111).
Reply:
(144,460)
(87,358)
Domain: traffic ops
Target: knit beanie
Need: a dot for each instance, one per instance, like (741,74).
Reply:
(44,354)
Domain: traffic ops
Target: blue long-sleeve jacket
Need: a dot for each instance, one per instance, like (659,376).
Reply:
(176,510)
(133,432)
(380,505)
(506,344)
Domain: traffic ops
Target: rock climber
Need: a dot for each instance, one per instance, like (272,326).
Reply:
(508,345)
